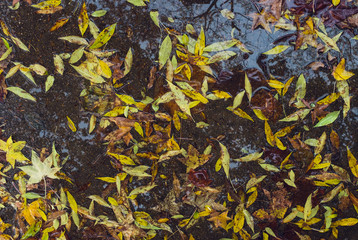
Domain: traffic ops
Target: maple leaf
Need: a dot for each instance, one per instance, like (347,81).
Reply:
(13,150)
(39,169)
(219,219)
(339,72)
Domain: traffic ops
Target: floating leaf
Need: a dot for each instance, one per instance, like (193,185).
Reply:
(71,125)
(83,19)
(164,51)
(330,118)
(21,93)
(276,50)
(220,56)
(49,82)
(99,13)
(103,37)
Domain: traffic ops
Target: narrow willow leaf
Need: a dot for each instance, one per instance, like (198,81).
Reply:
(220,56)
(345,222)
(92,123)
(103,37)
(269,135)
(164,51)
(225,159)
(47,4)
(328,41)
(352,161)
(128,62)
(138,3)
(299,115)
(71,125)
(330,118)
(59,66)
(154,15)
(21,93)
(59,23)
(6,54)
(250,157)
(76,55)
(248,87)
(94,31)
(220,46)
(200,43)
(93,77)
(308,208)
(238,99)
(99,13)
(75,40)
(49,82)
(99,200)
(343,89)
(118,184)
(72,202)
(31,195)
(142,189)
(276,50)
(83,19)
(254,181)
(180,99)
(138,171)
(190,29)
(269,167)
(20,44)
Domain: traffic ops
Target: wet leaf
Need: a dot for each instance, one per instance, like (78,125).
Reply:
(300,114)
(331,43)
(248,87)
(6,54)
(83,19)
(47,4)
(339,72)
(226,13)
(142,189)
(308,208)
(39,170)
(352,161)
(250,157)
(225,159)
(72,202)
(128,62)
(238,99)
(345,222)
(269,135)
(154,15)
(125,160)
(137,171)
(220,220)
(138,3)
(92,123)
(92,76)
(165,51)
(180,99)
(49,82)
(99,200)
(330,118)
(99,13)
(276,50)
(94,31)
(71,125)
(220,46)
(59,66)
(254,181)
(220,56)
(75,40)
(343,89)
(103,37)
(21,93)
(20,44)
(241,113)
(336,2)
(200,43)
(76,55)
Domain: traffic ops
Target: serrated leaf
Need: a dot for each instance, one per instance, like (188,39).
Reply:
(276,50)
(99,13)
(330,118)
(165,51)
(71,125)
(220,56)
(142,189)
(225,159)
(103,37)
(21,93)
(49,82)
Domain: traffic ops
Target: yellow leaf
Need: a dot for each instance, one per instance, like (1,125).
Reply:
(308,208)
(221,94)
(105,70)
(72,202)
(242,114)
(176,121)
(329,99)
(276,84)
(122,158)
(83,20)
(276,50)
(259,114)
(200,43)
(248,87)
(352,163)
(225,159)
(59,23)
(71,125)
(345,222)
(47,4)
(269,136)
(335,2)
(287,85)
(339,72)
(103,37)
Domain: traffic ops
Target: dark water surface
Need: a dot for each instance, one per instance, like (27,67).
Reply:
(44,122)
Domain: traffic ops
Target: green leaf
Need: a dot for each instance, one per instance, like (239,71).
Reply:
(138,3)
(165,51)
(31,195)
(300,114)
(99,13)
(49,82)
(38,170)
(142,189)
(154,15)
(76,55)
(99,200)
(92,76)
(103,37)
(330,118)
(21,93)
(72,202)
(276,50)
(6,54)
(225,159)
(20,44)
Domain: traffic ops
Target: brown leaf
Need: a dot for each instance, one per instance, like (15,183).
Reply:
(316,65)
(152,77)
